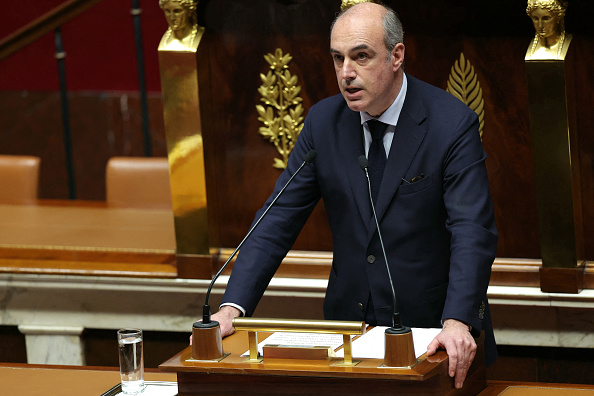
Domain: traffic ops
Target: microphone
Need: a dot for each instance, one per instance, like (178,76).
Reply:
(396,322)
(309,158)
(399,347)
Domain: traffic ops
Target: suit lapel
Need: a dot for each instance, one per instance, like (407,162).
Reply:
(408,137)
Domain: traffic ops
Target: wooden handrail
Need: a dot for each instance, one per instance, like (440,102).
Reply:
(42,25)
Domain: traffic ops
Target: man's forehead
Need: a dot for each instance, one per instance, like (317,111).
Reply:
(350,31)
(354,37)
(358,47)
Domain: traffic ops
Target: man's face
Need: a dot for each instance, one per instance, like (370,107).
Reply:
(176,15)
(366,73)
(545,22)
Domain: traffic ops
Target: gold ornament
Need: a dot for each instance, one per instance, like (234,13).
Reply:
(349,3)
(280,93)
(464,85)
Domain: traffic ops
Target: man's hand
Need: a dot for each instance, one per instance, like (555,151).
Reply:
(460,346)
(225,318)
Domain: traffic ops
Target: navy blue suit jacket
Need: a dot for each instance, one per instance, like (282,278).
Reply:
(439,232)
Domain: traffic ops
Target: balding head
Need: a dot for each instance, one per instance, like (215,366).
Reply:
(368,70)
(393,31)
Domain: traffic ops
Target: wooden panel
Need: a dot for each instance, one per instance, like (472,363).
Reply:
(238,155)
(542,364)
(535,389)
(233,375)
(31,380)
(239,160)
(103,125)
(87,240)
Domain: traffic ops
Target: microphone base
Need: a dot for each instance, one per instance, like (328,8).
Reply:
(400,351)
(207,343)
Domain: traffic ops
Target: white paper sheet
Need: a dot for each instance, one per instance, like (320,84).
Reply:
(371,345)
(300,339)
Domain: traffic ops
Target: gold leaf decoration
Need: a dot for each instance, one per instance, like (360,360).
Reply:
(349,3)
(464,85)
(282,112)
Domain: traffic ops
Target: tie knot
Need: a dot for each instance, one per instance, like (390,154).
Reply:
(377,129)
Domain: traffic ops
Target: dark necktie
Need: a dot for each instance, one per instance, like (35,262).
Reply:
(376,156)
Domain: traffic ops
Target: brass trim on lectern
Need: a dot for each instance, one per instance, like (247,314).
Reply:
(296,325)
(346,328)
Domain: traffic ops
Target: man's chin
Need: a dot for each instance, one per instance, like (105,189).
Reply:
(355,104)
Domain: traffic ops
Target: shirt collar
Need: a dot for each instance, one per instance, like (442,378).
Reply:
(391,115)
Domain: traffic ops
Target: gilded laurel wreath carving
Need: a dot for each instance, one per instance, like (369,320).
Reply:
(282,112)
(349,3)
(463,84)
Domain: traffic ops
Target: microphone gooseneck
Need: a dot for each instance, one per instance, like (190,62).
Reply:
(396,322)
(309,158)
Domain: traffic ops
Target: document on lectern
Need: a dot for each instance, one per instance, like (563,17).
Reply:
(282,338)
(371,345)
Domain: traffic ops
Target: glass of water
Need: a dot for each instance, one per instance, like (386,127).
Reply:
(131,360)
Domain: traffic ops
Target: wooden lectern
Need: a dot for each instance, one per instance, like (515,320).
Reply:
(233,375)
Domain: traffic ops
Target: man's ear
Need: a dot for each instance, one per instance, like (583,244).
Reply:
(397,56)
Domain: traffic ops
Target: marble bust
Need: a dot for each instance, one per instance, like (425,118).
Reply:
(550,41)
(183,33)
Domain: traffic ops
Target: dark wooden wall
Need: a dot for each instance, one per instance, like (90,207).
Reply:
(494,38)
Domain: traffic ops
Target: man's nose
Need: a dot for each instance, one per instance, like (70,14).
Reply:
(348,70)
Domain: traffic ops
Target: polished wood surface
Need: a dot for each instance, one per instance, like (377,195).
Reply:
(508,388)
(281,376)
(562,280)
(208,343)
(41,380)
(89,238)
(399,350)
(87,228)
(86,239)
(278,376)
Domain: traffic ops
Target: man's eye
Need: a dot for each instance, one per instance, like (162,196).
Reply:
(361,56)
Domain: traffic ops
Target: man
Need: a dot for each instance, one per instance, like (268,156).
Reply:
(433,203)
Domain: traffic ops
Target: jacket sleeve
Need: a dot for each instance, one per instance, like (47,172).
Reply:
(470,221)
(265,249)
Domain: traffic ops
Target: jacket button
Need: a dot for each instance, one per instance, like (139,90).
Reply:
(361,307)
(371,259)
